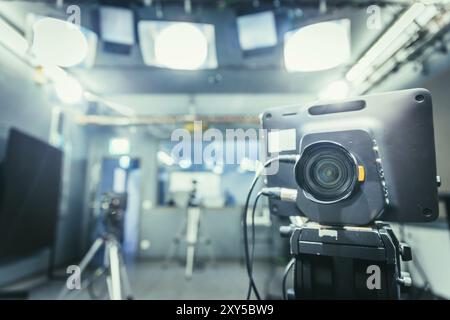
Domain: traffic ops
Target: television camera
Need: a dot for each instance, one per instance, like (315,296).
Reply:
(345,166)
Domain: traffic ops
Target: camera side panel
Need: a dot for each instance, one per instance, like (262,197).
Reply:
(282,119)
(405,135)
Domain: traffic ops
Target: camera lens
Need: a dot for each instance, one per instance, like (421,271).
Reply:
(327,172)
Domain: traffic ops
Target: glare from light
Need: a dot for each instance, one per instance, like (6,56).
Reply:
(181,46)
(185,163)
(165,158)
(69,90)
(124,162)
(335,91)
(119,146)
(58,42)
(317,47)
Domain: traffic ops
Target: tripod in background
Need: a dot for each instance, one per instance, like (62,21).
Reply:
(113,269)
(192,232)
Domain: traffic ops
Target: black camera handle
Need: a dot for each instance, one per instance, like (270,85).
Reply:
(347,262)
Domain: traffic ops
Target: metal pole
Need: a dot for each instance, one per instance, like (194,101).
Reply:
(114,265)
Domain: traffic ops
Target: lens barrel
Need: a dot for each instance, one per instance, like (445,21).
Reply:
(327,172)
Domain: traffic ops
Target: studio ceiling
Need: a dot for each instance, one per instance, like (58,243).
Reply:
(237,72)
(243,83)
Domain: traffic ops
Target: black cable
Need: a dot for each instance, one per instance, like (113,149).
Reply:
(284,158)
(246,250)
(252,256)
(285,274)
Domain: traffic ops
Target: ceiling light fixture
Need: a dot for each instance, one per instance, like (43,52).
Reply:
(58,42)
(256,31)
(178,45)
(317,47)
(393,39)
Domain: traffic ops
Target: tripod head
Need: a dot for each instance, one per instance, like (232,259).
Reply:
(113,210)
(194,200)
(346,262)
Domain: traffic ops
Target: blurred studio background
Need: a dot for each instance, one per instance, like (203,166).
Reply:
(91,93)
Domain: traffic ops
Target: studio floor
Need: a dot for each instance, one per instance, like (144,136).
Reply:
(154,280)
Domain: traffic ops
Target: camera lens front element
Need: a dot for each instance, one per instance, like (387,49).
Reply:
(327,172)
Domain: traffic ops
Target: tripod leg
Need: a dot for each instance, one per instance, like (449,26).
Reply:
(109,286)
(126,281)
(193,221)
(190,252)
(175,243)
(114,267)
(84,263)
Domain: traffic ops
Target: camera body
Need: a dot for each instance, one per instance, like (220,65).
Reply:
(363,159)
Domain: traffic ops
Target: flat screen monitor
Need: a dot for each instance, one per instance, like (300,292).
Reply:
(30,195)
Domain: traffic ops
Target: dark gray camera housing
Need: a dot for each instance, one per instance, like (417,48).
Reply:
(390,134)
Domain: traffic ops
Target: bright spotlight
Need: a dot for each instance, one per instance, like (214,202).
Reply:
(319,46)
(68,90)
(178,45)
(181,46)
(335,91)
(59,42)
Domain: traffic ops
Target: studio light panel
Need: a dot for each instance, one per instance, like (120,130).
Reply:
(257,31)
(318,46)
(117,25)
(178,45)
(76,46)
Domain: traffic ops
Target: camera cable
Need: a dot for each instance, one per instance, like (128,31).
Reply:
(253,241)
(282,158)
(285,275)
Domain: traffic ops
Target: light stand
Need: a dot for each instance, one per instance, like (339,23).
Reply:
(192,232)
